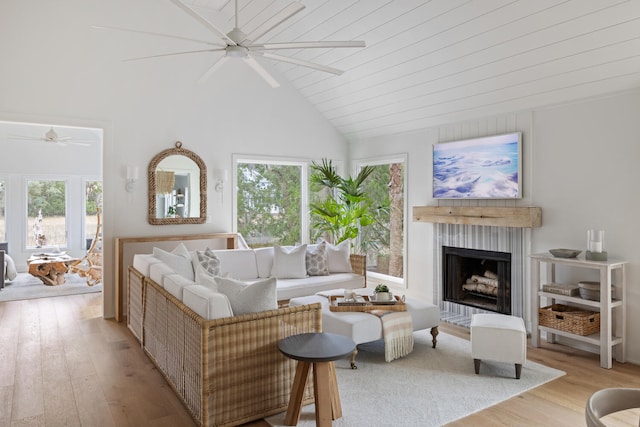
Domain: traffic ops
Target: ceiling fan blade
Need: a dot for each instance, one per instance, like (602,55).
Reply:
(305,45)
(195,15)
(212,69)
(275,20)
(26,138)
(260,70)
(82,144)
(171,54)
(308,64)
(171,36)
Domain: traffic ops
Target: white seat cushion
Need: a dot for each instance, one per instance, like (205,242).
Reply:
(206,303)
(158,271)
(175,284)
(291,288)
(142,262)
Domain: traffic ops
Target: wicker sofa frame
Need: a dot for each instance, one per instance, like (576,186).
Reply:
(226,371)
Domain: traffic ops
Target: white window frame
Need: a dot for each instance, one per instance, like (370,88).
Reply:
(357,164)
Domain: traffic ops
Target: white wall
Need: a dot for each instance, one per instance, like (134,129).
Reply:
(57,69)
(580,167)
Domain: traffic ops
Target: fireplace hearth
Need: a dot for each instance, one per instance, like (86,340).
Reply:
(477,278)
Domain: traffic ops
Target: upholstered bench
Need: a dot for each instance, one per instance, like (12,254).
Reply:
(363,327)
(500,338)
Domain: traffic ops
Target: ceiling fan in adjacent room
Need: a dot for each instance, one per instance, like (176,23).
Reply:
(51,136)
(237,44)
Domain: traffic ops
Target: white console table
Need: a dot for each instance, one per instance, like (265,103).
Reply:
(613,312)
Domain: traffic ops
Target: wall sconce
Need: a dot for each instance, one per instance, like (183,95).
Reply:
(220,176)
(132,177)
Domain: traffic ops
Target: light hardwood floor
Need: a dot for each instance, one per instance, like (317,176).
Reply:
(61,364)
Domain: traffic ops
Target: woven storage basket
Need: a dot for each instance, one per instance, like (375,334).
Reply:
(569,319)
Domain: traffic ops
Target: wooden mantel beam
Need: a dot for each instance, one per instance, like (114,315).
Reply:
(527,217)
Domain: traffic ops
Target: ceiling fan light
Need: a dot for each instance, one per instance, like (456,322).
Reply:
(237,51)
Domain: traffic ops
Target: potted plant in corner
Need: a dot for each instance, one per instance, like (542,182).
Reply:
(339,216)
(382,293)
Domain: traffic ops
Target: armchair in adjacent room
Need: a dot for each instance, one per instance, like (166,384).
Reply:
(8,270)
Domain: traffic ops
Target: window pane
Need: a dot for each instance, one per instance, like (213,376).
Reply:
(268,198)
(46,210)
(93,200)
(383,241)
(3,228)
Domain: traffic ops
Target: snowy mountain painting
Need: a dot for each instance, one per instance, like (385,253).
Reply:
(480,168)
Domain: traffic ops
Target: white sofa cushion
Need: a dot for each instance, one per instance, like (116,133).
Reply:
(175,284)
(179,260)
(238,263)
(264,260)
(338,257)
(158,271)
(142,262)
(244,298)
(291,288)
(316,260)
(206,303)
(289,263)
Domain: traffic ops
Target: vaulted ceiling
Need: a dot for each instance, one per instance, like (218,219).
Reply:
(431,62)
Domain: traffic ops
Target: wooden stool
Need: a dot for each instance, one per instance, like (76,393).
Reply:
(318,350)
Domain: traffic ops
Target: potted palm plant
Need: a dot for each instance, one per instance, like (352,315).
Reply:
(339,216)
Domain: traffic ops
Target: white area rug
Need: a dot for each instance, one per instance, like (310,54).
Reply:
(25,286)
(430,387)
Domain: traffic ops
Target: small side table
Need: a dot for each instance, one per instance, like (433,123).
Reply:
(318,350)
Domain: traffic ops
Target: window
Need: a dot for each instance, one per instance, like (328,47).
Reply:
(46,213)
(383,241)
(269,199)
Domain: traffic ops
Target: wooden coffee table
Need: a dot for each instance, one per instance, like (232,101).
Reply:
(317,350)
(50,268)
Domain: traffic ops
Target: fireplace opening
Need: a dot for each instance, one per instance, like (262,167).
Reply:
(477,278)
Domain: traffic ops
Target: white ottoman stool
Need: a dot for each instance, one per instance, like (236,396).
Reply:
(500,338)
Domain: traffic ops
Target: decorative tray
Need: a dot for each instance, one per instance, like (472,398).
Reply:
(364,303)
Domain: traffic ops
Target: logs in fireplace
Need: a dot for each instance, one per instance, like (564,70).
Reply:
(477,278)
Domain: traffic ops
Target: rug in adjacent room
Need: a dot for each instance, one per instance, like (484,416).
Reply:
(25,286)
(430,387)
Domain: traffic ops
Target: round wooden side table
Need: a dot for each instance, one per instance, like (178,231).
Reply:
(317,350)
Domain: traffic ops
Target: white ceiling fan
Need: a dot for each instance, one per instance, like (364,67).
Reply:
(237,44)
(51,136)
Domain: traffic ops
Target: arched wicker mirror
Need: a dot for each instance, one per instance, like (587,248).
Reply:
(177,187)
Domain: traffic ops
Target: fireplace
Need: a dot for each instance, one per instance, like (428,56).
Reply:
(477,278)
(511,240)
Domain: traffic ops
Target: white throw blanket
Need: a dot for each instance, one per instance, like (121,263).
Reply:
(397,330)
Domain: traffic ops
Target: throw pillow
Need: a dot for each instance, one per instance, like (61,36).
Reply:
(244,298)
(209,261)
(204,278)
(338,257)
(179,260)
(289,264)
(316,260)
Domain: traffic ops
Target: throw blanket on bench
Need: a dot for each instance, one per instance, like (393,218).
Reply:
(397,330)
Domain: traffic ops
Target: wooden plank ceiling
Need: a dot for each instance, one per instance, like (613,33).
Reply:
(434,62)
